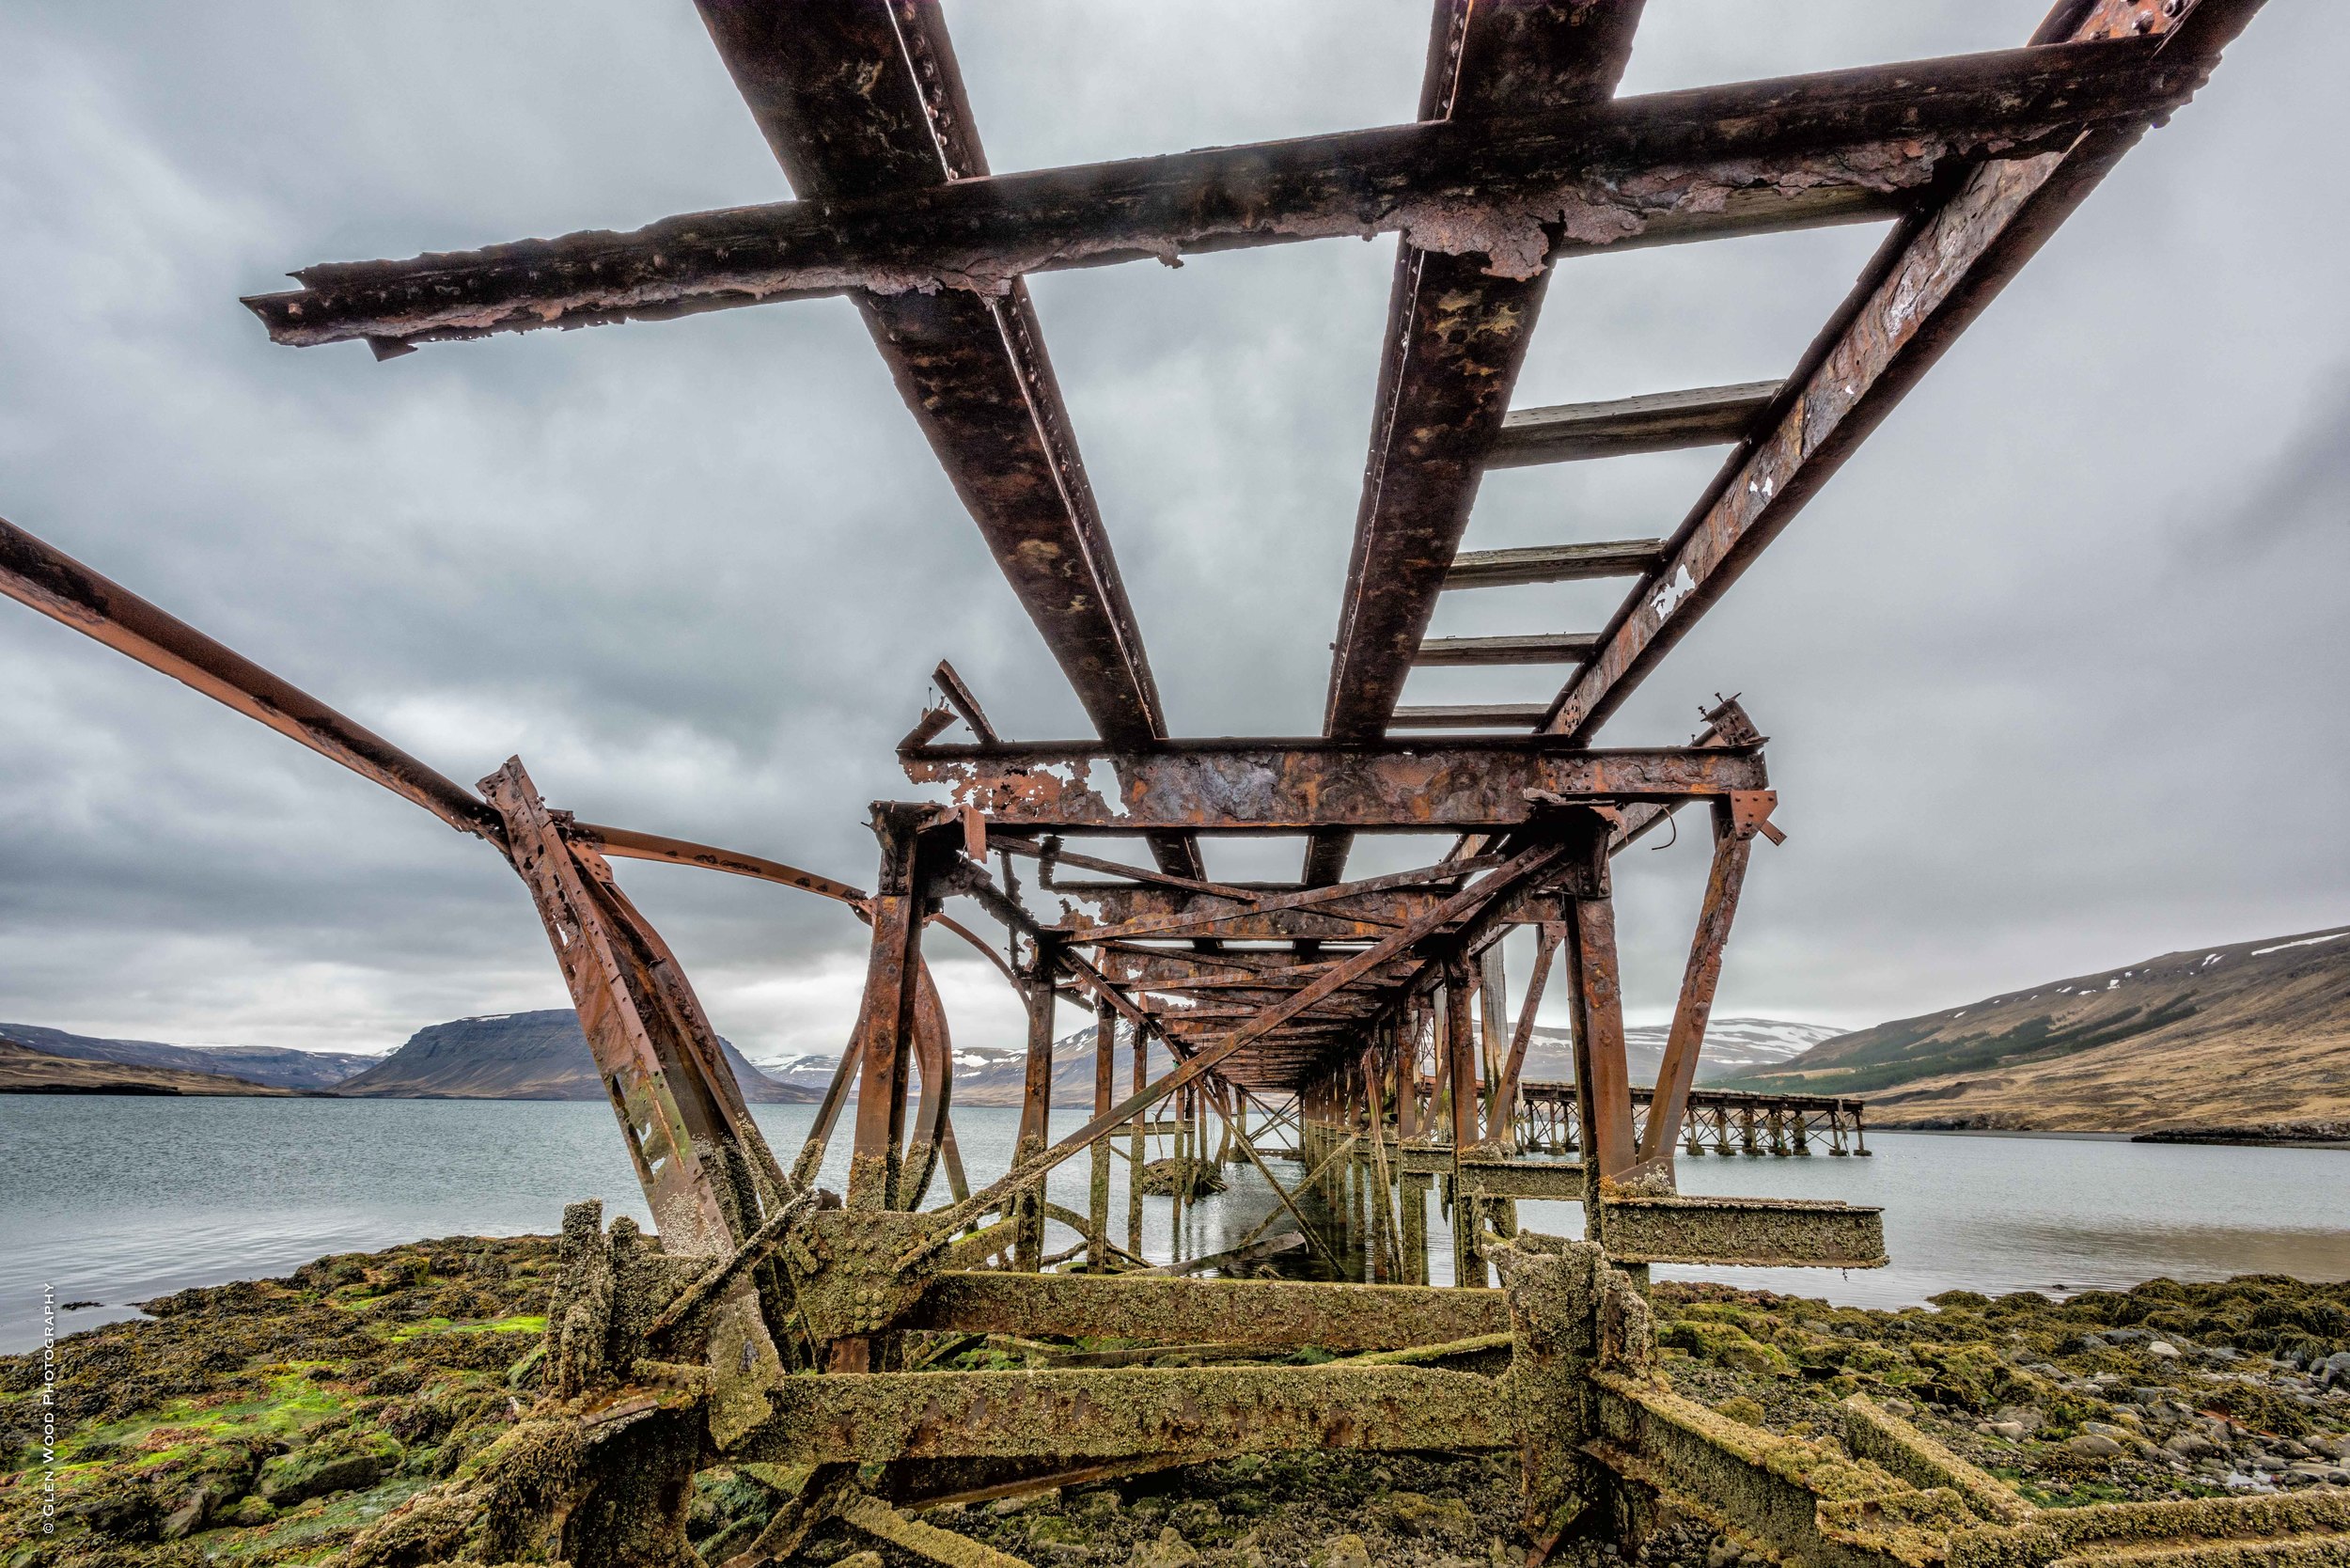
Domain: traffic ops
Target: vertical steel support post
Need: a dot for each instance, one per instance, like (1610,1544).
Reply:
(1040,992)
(886,1028)
(1098,1210)
(1136,1153)
(1602,1088)
(1493,1037)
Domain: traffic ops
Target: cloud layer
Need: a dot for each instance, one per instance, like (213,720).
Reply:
(2050,670)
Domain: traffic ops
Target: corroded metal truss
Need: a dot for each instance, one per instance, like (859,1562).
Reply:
(1362,1027)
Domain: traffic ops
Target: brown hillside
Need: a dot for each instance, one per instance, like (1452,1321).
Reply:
(2254,1032)
(25,1070)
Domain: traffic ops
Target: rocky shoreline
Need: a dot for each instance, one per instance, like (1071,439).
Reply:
(274,1421)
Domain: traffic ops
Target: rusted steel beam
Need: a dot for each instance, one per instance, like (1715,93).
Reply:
(1108,1414)
(1479,784)
(705,1170)
(1832,148)
(1655,422)
(1502,883)
(1503,1128)
(884,1029)
(1460,1055)
(1253,1312)
(1456,333)
(863,101)
(629,844)
(1394,899)
(1364,919)
(1561,648)
(1472,715)
(36,574)
(1553,563)
(1601,1078)
(958,695)
(1559,1181)
(1686,1039)
(1936,274)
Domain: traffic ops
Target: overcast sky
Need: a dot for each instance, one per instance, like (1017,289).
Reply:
(2053,671)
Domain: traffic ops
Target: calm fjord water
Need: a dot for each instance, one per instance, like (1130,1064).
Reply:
(115,1199)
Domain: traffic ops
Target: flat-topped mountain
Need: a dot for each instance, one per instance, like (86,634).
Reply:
(276,1065)
(518,1055)
(2250,1034)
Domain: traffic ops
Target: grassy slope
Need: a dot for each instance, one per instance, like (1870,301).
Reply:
(23,1071)
(2255,1032)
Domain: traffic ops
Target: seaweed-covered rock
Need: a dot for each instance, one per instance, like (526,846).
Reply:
(339,1462)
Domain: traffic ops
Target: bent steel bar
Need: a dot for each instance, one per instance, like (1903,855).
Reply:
(1478,785)
(629,845)
(1662,167)
(35,572)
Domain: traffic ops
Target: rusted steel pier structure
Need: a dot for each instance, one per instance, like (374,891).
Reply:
(1365,1023)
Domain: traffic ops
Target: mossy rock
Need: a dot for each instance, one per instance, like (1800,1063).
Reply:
(340,1462)
(1725,1344)
(1414,1513)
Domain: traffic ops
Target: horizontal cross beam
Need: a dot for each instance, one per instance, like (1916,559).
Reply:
(1470,785)
(1227,1311)
(1834,147)
(1553,563)
(1655,422)
(1563,648)
(878,1417)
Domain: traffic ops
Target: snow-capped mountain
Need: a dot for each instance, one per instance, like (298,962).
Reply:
(992,1075)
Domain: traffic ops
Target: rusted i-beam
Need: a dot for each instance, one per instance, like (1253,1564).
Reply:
(1835,146)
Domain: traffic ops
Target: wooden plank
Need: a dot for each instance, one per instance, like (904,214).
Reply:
(1656,422)
(1267,1313)
(1114,1413)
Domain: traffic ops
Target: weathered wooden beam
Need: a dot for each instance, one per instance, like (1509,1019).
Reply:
(1753,1232)
(1559,1181)
(1257,1312)
(1934,276)
(1835,146)
(1655,422)
(1474,784)
(1109,1414)
(1553,563)
(1563,648)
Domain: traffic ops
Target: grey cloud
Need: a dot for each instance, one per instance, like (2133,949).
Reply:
(2045,668)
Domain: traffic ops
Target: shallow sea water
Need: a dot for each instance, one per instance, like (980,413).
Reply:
(119,1199)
